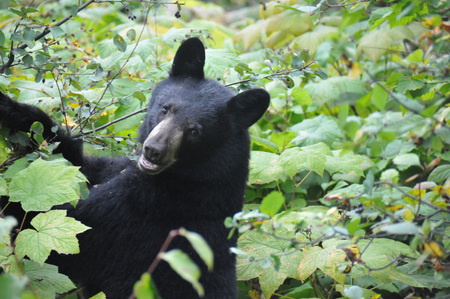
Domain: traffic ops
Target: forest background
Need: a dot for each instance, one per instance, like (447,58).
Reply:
(349,189)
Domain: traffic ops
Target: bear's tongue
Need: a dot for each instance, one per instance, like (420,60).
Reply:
(145,164)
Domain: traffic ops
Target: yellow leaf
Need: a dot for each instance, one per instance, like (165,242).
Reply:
(355,71)
(74,104)
(254,294)
(408,215)
(273,7)
(395,208)
(69,122)
(433,249)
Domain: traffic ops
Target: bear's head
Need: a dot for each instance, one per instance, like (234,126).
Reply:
(193,122)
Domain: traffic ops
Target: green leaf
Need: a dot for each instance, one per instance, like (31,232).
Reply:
(2,38)
(416,56)
(201,247)
(301,96)
(405,161)
(260,247)
(347,163)
(46,280)
(53,231)
(218,60)
(312,157)
(379,97)
(12,286)
(3,187)
(74,10)
(17,12)
(439,175)
(336,90)
(325,259)
(264,168)
(314,130)
(145,288)
(120,43)
(272,203)
(266,144)
(29,34)
(185,267)
(56,31)
(282,140)
(378,253)
(7,223)
(405,84)
(131,34)
(401,228)
(375,37)
(140,96)
(311,40)
(353,292)
(27,60)
(44,184)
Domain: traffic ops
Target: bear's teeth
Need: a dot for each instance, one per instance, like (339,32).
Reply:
(147,165)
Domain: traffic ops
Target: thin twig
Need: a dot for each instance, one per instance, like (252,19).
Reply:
(396,99)
(164,247)
(114,121)
(274,74)
(412,196)
(92,112)
(41,35)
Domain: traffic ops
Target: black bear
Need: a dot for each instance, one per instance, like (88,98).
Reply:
(191,173)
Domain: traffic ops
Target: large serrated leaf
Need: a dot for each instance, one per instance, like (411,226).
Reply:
(404,161)
(319,129)
(264,168)
(218,60)
(53,231)
(348,163)
(44,184)
(261,247)
(336,90)
(312,157)
(369,41)
(440,174)
(325,259)
(311,40)
(45,279)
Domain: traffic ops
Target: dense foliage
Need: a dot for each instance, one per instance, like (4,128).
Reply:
(349,186)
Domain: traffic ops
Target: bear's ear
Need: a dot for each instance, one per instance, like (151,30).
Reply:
(249,106)
(189,60)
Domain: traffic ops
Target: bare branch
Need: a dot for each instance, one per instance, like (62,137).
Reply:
(412,196)
(274,74)
(114,121)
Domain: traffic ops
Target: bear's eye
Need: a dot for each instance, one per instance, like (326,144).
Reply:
(165,110)
(195,132)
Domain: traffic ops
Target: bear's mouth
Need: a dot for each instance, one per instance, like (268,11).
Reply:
(149,167)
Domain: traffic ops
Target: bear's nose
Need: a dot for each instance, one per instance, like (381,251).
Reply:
(154,152)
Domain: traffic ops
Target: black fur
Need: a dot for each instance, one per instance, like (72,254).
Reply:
(131,212)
